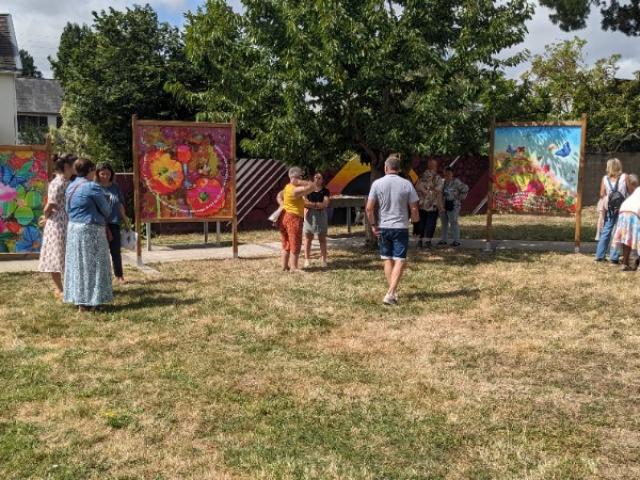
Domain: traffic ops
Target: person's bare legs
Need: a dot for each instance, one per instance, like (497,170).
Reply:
(308,239)
(626,252)
(57,280)
(294,261)
(396,275)
(388,270)
(322,240)
(285,260)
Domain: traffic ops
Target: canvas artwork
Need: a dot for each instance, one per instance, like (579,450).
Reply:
(23,190)
(185,172)
(536,168)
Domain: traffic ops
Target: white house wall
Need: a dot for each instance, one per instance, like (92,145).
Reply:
(8,118)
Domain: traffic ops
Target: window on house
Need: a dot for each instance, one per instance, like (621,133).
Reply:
(26,122)
(32,129)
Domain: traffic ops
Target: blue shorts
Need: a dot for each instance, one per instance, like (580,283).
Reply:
(393,243)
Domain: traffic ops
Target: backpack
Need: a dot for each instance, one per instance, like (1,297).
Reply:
(615,199)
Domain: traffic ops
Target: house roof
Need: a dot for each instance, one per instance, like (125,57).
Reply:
(38,95)
(9,54)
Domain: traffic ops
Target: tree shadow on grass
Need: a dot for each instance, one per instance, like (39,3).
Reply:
(150,301)
(476,257)
(472,293)
(198,246)
(160,281)
(530,232)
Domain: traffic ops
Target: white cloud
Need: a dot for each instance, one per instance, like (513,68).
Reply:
(600,43)
(39,24)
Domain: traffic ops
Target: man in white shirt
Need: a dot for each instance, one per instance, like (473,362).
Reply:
(394,196)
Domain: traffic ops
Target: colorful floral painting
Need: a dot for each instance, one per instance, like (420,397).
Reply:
(536,169)
(185,172)
(23,190)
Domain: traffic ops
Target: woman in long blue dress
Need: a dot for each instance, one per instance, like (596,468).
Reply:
(87,273)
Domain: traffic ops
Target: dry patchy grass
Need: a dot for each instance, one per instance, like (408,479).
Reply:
(510,366)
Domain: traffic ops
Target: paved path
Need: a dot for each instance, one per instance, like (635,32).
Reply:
(162,254)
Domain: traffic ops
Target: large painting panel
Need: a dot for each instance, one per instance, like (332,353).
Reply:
(23,190)
(185,171)
(536,168)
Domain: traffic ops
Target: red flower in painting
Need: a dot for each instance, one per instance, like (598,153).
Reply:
(18,159)
(184,154)
(535,186)
(161,172)
(13,226)
(206,197)
(512,188)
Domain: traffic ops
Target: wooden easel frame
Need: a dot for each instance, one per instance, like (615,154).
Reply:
(136,180)
(581,169)
(30,148)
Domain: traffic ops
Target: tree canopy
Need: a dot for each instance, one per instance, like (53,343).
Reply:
(561,86)
(623,16)
(29,68)
(310,81)
(112,69)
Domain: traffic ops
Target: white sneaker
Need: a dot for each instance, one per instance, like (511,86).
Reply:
(390,300)
(323,264)
(306,264)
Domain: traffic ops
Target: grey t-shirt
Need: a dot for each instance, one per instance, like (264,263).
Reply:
(393,195)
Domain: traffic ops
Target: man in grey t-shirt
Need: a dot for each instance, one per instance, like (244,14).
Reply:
(394,196)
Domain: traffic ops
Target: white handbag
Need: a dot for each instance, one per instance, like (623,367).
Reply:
(275,216)
(128,239)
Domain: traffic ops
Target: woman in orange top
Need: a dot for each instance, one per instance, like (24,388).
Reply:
(292,219)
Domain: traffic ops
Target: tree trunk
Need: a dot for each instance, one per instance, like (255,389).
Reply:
(377,171)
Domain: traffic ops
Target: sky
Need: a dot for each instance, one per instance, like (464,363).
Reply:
(39,23)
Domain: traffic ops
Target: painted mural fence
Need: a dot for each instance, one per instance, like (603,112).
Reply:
(23,190)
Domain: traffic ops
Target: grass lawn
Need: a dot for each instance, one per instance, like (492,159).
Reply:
(513,366)
(505,227)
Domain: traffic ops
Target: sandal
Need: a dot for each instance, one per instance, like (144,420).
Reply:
(627,268)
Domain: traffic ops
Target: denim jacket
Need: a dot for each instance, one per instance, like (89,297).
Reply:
(87,202)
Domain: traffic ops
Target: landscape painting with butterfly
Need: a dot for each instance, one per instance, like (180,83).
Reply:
(536,168)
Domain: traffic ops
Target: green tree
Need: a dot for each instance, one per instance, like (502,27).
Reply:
(561,86)
(113,69)
(616,15)
(312,81)
(29,68)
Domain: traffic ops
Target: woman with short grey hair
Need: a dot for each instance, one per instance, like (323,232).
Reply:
(292,197)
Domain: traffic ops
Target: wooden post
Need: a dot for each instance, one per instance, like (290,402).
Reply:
(136,191)
(206,232)
(489,234)
(583,143)
(348,219)
(148,224)
(49,162)
(218,233)
(234,222)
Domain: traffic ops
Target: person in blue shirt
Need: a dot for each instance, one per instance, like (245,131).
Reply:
(87,272)
(105,176)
